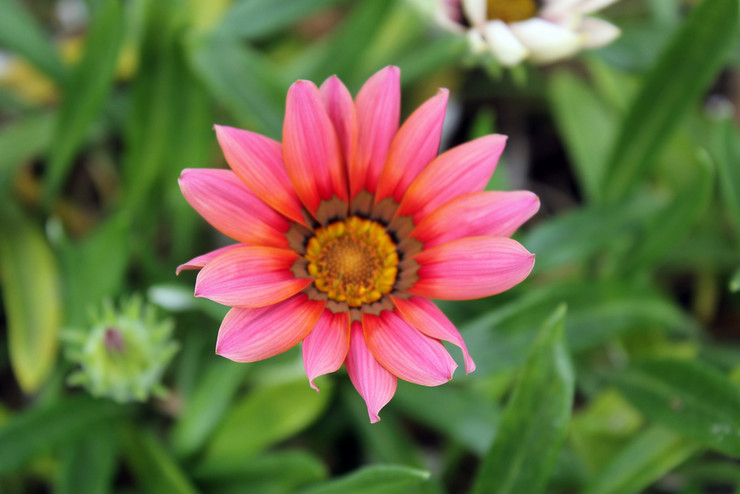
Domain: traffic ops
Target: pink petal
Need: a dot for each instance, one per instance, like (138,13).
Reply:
(250,277)
(311,149)
(258,161)
(471,267)
(491,213)
(416,144)
(326,346)
(341,110)
(375,384)
(422,314)
(464,168)
(378,113)
(406,352)
(248,335)
(200,261)
(227,204)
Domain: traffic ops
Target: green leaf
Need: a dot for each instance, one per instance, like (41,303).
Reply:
(84,95)
(105,249)
(683,71)
(20,33)
(535,420)
(243,81)
(155,470)
(376,479)
(338,54)
(387,441)
(267,415)
(460,412)
(89,465)
(597,313)
(38,429)
(207,405)
(32,298)
(735,281)
(254,19)
(280,472)
(648,457)
(587,127)
(20,141)
(672,222)
(603,427)
(577,236)
(691,398)
(155,108)
(725,149)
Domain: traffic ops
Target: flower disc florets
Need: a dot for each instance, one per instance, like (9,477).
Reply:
(353,261)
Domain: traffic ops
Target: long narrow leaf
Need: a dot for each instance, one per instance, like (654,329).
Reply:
(32,298)
(693,399)
(85,94)
(649,456)
(38,429)
(20,33)
(380,479)
(155,470)
(535,421)
(685,68)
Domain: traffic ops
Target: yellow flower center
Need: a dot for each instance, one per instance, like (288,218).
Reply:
(511,10)
(353,261)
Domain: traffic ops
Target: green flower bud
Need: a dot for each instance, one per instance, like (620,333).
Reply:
(124,353)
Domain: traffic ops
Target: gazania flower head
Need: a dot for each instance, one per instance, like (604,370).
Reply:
(347,229)
(540,30)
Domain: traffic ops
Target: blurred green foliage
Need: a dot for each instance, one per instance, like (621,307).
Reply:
(634,150)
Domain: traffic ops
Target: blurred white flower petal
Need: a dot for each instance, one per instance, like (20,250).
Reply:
(545,40)
(505,46)
(598,32)
(515,30)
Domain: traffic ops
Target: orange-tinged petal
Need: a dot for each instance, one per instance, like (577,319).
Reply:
(250,277)
(341,111)
(378,114)
(234,210)
(491,213)
(326,346)
(415,145)
(311,149)
(406,352)
(371,380)
(422,314)
(258,161)
(200,261)
(248,335)
(464,168)
(471,267)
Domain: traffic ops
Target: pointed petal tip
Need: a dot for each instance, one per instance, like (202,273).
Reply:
(313,386)
(374,417)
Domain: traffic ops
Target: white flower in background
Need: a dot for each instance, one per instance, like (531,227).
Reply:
(539,30)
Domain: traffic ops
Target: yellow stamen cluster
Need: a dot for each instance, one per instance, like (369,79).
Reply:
(511,10)
(353,261)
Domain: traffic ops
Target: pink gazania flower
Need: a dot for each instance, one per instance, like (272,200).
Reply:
(347,229)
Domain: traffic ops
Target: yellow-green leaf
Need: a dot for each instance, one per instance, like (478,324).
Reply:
(32,298)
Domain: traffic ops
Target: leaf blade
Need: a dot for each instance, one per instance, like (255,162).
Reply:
(535,421)
(29,274)
(692,398)
(84,95)
(684,69)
